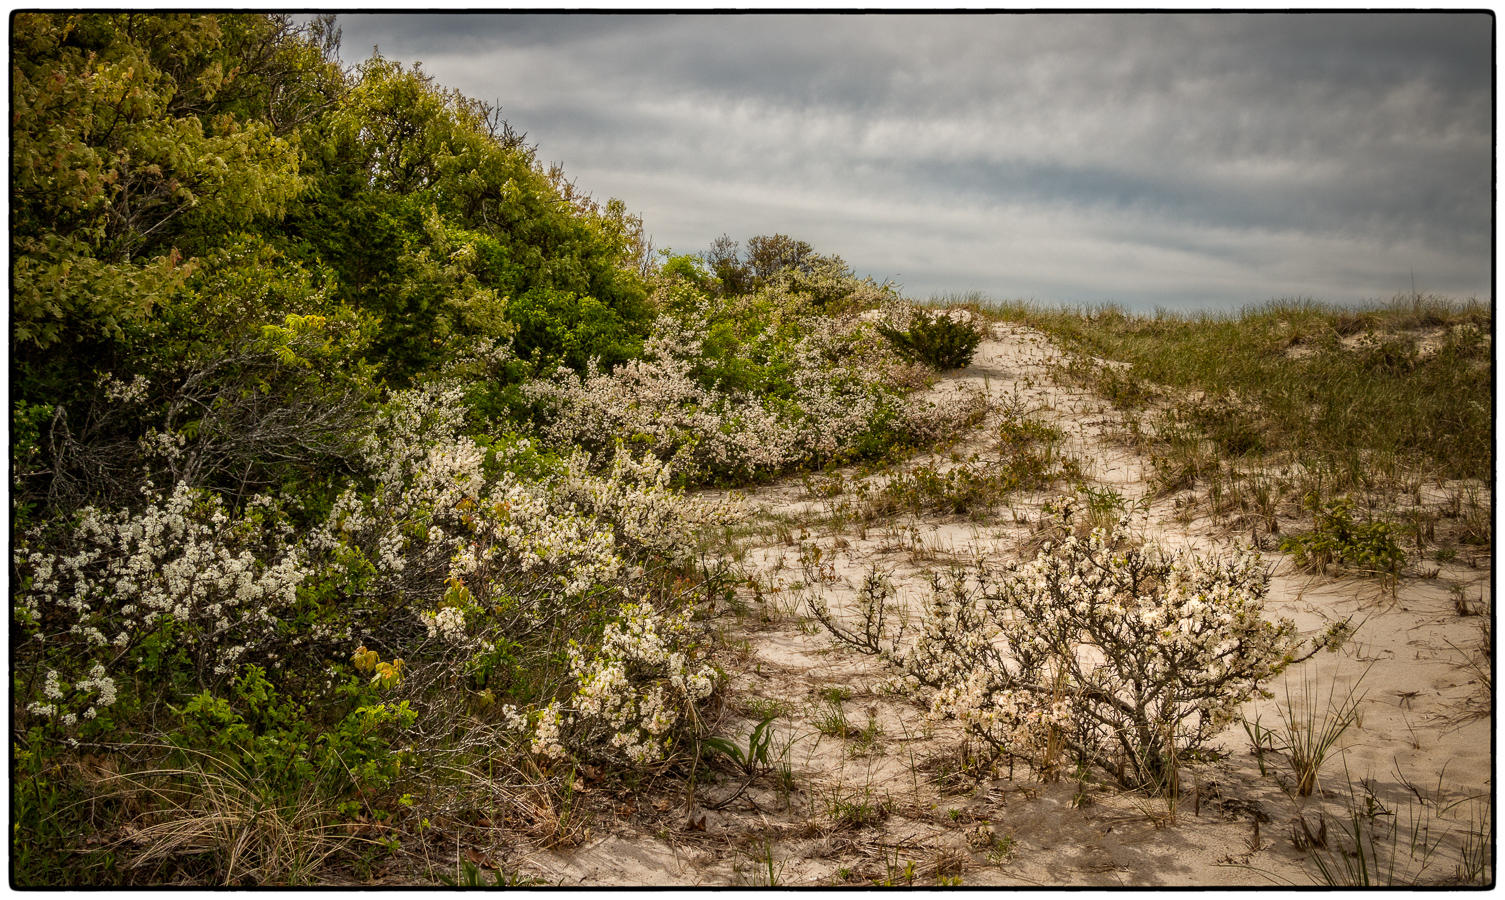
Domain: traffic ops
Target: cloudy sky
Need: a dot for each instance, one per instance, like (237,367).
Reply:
(1181,161)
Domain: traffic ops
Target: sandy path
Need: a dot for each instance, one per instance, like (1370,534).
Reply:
(870,806)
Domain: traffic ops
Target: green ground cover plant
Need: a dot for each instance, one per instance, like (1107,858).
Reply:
(1338,540)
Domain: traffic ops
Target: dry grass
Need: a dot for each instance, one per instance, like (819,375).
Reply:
(209,826)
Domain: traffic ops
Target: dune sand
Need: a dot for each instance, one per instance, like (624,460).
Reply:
(884,802)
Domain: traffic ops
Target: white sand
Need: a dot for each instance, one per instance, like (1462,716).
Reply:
(1419,716)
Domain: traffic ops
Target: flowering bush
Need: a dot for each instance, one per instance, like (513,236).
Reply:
(464,571)
(825,390)
(495,573)
(635,692)
(648,517)
(181,586)
(1124,657)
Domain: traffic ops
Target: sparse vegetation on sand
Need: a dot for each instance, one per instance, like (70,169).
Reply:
(1295,403)
(1359,391)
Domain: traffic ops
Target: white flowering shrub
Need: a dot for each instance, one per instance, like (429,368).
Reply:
(649,518)
(442,569)
(830,285)
(345,594)
(806,390)
(656,403)
(181,588)
(468,561)
(1100,652)
(637,692)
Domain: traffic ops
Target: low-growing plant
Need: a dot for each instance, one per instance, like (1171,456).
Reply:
(766,870)
(1105,507)
(1117,384)
(750,762)
(1477,662)
(1461,604)
(865,739)
(958,490)
(835,694)
(1338,540)
(1372,845)
(1028,460)
(831,720)
(999,849)
(1261,740)
(1476,855)
(897,870)
(226,828)
(470,875)
(1310,733)
(761,708)
(1477,521)
(855,809)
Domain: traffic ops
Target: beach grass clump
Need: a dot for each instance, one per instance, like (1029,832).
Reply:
(1310,732)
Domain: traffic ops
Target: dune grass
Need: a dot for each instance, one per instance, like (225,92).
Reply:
(1305,378)
(1363,401)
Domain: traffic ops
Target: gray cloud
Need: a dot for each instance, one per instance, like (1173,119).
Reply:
(1178,160)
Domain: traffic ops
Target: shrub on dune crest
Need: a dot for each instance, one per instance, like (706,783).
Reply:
(942,339)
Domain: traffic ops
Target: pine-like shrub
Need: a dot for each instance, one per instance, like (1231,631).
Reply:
(942,339)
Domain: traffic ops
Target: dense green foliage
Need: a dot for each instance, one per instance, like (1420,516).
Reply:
(150,150)
(306,552)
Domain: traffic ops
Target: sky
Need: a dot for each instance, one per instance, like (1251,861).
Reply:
(1176,160)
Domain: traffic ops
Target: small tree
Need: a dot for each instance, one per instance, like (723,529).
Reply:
(725,262)
(770,254)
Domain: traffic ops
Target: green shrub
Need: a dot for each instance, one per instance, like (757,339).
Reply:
(1338,539)
(939,339)
(688,269)
(555,327)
